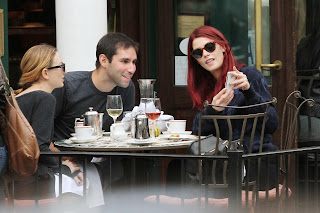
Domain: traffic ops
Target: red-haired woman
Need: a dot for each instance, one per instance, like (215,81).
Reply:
(209,59)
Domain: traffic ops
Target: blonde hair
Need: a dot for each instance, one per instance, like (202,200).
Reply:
(33,62)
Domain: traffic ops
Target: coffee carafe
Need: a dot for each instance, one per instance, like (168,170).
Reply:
(141,127)
(94,119)
(146,88)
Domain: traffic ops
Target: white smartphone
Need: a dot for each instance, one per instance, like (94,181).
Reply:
(230,78)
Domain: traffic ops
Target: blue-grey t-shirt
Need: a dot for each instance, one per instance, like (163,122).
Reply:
(77,95)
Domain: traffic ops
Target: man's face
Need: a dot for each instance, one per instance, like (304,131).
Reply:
(123,66)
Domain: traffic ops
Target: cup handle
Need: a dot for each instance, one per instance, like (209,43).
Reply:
(168,125)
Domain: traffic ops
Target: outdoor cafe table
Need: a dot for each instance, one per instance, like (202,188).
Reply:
(165,144)
(129,144)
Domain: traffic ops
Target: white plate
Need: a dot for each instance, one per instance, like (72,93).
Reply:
(73,134)
(75,140)
(142,142)
(178,133)
(173,136)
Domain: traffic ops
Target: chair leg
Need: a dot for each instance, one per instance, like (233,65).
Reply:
(7,187)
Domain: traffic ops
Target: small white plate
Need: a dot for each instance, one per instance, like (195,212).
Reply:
(177,133)
(142,142)
(73,134)
(173,136)
(87,140)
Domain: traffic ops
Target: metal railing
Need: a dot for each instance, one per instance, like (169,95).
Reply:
(300,192)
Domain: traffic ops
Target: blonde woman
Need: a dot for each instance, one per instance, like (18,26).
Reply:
(42,71)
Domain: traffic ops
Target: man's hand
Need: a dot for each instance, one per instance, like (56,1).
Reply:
(76,174)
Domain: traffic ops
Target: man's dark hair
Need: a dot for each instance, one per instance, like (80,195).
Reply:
(111,42)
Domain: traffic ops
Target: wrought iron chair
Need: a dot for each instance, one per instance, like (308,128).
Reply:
(289,128)
(258,121)
(307,83)
(290,115)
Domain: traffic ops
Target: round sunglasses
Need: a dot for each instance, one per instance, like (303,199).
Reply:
(209,47)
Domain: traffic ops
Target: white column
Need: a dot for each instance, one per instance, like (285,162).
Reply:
(79,26)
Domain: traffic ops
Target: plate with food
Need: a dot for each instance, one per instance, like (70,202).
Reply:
(182,135)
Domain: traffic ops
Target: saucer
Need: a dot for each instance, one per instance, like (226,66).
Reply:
(174,136)
(141,142)
(87,140)
(177,133)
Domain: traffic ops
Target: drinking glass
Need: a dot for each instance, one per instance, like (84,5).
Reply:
(114,106)
(153,111)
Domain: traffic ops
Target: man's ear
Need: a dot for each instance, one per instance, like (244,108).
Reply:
(44,73)
(104,61)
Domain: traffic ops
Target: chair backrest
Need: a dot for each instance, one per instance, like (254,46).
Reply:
(252,124)
(261,111)
(308,82)
(290,118)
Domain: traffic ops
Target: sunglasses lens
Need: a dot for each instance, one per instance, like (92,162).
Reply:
(210,47)
(197,53)
(63,67)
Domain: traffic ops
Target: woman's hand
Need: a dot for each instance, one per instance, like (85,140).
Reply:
(223,98)
(241,82)
(74,168)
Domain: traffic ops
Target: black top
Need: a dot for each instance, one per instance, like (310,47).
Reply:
(38,107)
(258,93)
(78,94)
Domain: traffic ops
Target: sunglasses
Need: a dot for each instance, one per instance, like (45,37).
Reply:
(209,47)
(62,66)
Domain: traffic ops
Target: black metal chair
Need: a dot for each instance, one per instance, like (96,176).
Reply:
(246,138)
(308,83)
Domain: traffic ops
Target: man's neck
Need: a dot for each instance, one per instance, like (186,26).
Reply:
(101,80)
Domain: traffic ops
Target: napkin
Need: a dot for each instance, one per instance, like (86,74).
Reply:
(94,189)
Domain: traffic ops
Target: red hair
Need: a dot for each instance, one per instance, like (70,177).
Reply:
(201,83)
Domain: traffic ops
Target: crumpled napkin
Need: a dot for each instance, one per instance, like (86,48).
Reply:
(141,110)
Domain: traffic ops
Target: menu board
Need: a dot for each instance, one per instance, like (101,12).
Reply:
(187,23)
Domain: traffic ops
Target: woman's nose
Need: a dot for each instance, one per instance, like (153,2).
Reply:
(205,53)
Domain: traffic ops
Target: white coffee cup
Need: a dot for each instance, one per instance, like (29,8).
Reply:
(117,131)
(83,132)
(176,126)
(230,78)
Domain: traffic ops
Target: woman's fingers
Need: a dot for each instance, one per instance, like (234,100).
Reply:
(79,179)
(223,98)
(241,82)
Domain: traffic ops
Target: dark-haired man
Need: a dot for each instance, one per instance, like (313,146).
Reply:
(116,58)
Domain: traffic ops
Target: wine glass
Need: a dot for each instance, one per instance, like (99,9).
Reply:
(114,106)
(153,111)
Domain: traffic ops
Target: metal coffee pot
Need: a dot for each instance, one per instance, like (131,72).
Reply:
(94,119)
(141,128)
